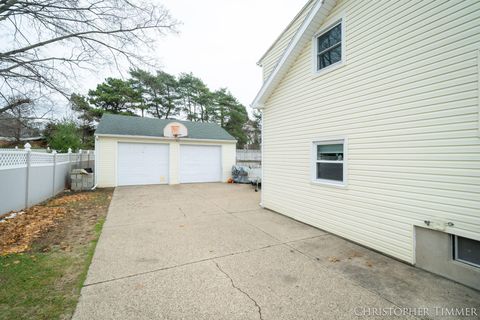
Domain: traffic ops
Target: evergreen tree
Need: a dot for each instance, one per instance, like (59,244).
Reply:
(88,116)
(159,93)
(230,115)
(196,98)
(115,96)
(164,96)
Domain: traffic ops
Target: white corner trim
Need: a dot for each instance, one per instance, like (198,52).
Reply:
(96,155)
(293,49)
(262,163)
(414,245)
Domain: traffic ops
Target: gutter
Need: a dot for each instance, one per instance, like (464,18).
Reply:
(163,138)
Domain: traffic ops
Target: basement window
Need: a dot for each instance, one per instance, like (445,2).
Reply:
(329,47)
(329,166)
(466,251)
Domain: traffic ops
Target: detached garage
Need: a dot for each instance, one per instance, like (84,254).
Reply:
(140,151)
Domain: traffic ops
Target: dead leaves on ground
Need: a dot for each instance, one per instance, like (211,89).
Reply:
(70,199)
(17,234)
(333,259)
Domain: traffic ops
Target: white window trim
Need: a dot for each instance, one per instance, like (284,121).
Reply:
(326,182)
(455,256)
(328,27)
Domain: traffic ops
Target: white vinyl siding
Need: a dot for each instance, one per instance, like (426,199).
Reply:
(271,58)
(408,101)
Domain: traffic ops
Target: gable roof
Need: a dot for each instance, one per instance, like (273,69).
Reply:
(284,30)
(313,21)
(111,124)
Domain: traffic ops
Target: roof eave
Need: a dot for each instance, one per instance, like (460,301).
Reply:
(128,136)
(308,28)
(259,62)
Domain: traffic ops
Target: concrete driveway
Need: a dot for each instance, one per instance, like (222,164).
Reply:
(208,251)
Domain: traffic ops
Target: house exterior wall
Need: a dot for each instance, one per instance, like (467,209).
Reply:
(273,55)
(440,261)
(106,157)
(407,100)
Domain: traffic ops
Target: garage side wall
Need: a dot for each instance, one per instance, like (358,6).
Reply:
(107,157)
(229,154)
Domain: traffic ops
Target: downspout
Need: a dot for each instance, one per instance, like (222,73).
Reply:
(262,160)
(95,165)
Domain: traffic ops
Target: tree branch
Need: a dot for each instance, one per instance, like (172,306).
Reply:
(15,103)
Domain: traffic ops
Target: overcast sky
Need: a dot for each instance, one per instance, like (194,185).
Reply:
(220,41)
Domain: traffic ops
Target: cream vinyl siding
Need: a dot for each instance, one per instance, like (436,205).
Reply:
(107,148)
(271,58)
(407,99)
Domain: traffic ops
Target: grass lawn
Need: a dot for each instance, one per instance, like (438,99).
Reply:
(44,281)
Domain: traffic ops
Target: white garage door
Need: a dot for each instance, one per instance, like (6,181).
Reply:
(142,163)
(200,163)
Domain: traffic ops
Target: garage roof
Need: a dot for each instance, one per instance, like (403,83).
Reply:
(111,124)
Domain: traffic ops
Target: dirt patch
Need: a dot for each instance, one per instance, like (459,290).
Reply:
(63,222)
(85,209)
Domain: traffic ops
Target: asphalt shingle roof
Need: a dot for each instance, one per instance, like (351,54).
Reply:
(152,127)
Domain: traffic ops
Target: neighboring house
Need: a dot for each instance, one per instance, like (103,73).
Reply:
(138,151)
(14,130)
(371,128)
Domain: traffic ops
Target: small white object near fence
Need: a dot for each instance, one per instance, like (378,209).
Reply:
(28,177)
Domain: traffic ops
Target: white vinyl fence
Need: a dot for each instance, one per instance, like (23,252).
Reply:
(252,158)
(28,177)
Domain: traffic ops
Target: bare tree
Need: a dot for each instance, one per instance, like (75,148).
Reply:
(44,42)
(20,120)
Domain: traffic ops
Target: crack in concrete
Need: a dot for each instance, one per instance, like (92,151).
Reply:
(275,238)
(355,283)
(180,265)
(194,262)
(206,198)
(183,212)
(156,221)
(259,309)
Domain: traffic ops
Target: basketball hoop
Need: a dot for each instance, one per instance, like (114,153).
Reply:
(175,130)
